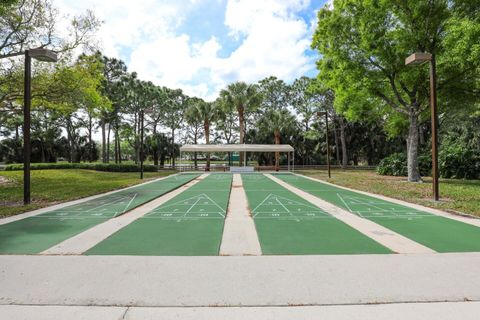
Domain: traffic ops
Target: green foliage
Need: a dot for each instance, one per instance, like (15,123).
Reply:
(363,45)
(393,165)
(109,167)
(396,165)
(458,160)
(275,93)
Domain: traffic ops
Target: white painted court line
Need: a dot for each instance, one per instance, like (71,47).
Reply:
(239,233)
(74,202)
(465,219)
(386,237)
(89,238)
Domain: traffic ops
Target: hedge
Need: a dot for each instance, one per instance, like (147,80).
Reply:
(111,167)
(396,165)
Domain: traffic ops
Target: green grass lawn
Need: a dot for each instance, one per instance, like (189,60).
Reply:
(55,186)
(459,196)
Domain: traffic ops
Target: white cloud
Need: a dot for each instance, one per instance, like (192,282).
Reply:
(273,39)
(128,23)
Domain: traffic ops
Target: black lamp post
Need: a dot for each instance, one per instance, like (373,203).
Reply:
(417,59)
(41,55)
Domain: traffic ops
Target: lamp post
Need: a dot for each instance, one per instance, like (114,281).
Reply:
(417,59)
(326,140)
(41,55)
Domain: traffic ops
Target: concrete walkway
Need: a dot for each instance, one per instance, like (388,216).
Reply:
(401,311)
(386,237)
(216,281)
(88,239)
(239,234)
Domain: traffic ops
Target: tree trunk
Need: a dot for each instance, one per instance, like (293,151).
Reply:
(42,147)
(155,149)
(172,155)
(412,149)
(119,146)
(118,154)
(18,145)
(344,143)
(241,121)
(69,140)
(90,145)
(421,135)
(104,147)
(195,160)
(136,143)
(207,140)
(108,145)
(337,143)
(115,145)
(277,154)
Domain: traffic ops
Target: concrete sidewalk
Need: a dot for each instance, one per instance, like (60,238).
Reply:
(239,234)
(216,281)
(410,311)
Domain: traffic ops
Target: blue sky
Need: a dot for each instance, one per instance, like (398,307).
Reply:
(202,45)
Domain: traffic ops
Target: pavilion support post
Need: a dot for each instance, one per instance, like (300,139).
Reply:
(293,162)
(288,161)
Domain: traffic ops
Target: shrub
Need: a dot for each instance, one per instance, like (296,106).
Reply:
(425,164)
(110,167)
(456,160)
(393,165)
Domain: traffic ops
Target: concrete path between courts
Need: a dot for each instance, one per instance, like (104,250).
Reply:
(82,242)
(382,235)
(267,281)
(239,234)
(398,311)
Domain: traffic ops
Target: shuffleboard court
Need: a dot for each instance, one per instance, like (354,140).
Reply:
(288,224)
(188,224)
(438,233)
(37,233)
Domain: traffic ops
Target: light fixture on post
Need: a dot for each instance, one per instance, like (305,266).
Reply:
(41,55)
(319,114)
(419,58)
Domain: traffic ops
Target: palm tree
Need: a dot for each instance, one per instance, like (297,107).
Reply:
(278,122)
(243,97)
(208,112)
(194,120)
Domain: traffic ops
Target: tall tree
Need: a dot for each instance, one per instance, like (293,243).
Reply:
(306,101)
(208,113)
(33,24)
(195,123)
(114,73)
(275,93)
(227,124)
(175,107)
(278,122)
(363,45)
(244,98)
(155,117)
